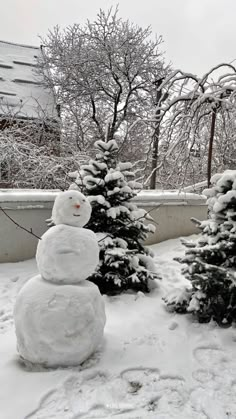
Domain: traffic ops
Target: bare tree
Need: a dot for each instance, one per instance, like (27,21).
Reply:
(111,81)
(197,124)
(104,74)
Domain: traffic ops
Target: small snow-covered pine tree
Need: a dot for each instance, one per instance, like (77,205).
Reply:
(125,263)
(210,263)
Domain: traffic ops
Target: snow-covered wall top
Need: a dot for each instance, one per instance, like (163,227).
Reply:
(21,90)
(156,196)
(29,197)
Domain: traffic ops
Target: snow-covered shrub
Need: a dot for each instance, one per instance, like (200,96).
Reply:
(210,263)
(124,261)
(24,164)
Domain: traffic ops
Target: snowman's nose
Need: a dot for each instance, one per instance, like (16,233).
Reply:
(77,205)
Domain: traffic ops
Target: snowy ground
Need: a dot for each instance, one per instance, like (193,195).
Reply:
(153,364)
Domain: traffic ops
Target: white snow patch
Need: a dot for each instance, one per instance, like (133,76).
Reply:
(113,175)
(97,198)
(154,364)
(116,211)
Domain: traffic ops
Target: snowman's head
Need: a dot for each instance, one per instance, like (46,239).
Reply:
(71,208)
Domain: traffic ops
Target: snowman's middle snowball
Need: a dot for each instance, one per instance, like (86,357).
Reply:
(67,254)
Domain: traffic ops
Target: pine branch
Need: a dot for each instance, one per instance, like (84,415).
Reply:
(132,223)
(108,235)
(195,221)
(187,243)
(20,226)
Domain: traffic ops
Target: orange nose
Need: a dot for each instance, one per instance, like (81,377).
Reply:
(77,205)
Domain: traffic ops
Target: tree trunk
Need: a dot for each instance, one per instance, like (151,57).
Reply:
(108,134)
(155,137)
(210,149)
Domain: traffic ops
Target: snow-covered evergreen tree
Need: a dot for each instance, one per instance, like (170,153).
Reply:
(124,261)
(210,263)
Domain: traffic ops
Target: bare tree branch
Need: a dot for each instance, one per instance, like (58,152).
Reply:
(20,226)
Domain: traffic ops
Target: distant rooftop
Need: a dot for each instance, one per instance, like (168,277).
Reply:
(21,90)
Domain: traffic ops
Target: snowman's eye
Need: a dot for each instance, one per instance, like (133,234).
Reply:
(70,197)
(83,200)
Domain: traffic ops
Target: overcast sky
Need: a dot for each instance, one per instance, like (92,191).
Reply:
(198,34)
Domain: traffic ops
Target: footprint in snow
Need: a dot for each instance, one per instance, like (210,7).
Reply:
(210,356)
(135,393)
(53,405)
(140,379)
(216,390)
(6,321)
(152,391)
(91,396)
(203,375)
(215,399)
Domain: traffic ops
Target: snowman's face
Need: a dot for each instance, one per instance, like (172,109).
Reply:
(71,208)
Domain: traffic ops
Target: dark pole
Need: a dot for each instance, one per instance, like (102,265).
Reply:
(210,149)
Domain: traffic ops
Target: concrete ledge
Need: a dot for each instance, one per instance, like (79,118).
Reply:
(172,221)
(171,212)
(30,209)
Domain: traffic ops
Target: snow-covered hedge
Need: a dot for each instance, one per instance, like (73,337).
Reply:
(210,263)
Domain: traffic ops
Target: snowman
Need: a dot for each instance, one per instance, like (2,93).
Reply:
(59,315)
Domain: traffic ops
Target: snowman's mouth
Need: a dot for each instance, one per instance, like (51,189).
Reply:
(76,215)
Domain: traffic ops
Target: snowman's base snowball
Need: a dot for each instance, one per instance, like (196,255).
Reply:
(58,325)
(67,254)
